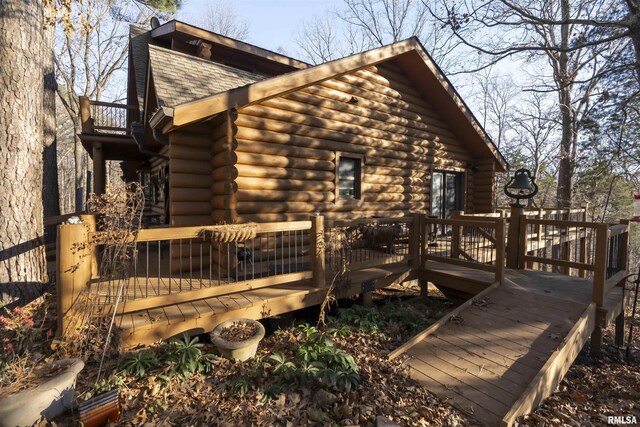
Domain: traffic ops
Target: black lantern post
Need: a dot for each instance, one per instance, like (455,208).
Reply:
(521,186)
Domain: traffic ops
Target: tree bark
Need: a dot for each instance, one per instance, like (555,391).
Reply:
(78,153)
(22,257)
(50,188)
(565,167)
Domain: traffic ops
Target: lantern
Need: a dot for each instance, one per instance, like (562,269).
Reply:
(636,208)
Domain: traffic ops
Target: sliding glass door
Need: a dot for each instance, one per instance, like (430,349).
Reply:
(446,193)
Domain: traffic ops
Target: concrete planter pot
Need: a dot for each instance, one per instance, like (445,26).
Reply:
(237,350)
(49,399)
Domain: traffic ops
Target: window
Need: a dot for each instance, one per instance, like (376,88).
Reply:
(349,175)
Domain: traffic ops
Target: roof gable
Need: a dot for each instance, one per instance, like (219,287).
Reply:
(181,78)
(410,53)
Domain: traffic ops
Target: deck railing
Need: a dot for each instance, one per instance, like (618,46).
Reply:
(359,244)
(477,243)
(183,263)
(106,117)
(573,214)
(585,249)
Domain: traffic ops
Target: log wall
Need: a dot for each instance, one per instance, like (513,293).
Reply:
(190,177)
(287,146)
(276,160)
(483,188)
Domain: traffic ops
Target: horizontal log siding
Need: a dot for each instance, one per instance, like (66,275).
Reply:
(484,186)
(286,149)
(190,176)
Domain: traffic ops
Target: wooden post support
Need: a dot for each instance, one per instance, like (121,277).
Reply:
(73,271)
(515,248)
(599,279)
(596,341)
(500,254)
(600,263)
(455,235)
(624,246)
(85,114)
(90,222)
(415,234)
(99,169)
(583,250)
(366,299)
(317,251)
(565,249)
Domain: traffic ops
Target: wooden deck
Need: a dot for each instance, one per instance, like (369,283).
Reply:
(201,315)
(497,356)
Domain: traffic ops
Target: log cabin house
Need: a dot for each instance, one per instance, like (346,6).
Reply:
(222,131)
(372,162)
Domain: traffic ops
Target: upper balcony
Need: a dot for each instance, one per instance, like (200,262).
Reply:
(107,118)
(106,134)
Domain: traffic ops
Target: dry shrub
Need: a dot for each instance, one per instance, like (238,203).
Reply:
(118,218)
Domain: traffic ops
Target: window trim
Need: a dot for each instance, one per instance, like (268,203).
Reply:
(360,158)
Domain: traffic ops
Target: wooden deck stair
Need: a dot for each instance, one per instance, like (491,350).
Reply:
(497,356)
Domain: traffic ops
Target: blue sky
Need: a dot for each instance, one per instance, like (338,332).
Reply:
(272,23)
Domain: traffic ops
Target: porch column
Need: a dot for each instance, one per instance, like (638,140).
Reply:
(99,169)
(513,238)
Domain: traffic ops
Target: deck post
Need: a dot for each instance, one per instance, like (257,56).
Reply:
(565,249)
(89,220)
(455,235)
(415,234)
(317,251)
(499,277)
(99,169)
(599,279)
(85,114)
(73,271)
(514,249)
(624,262)
(417,243)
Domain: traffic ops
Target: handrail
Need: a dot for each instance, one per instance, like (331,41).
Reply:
(112,104)
(355,222)
(109,117)
(460,248)
(596,247)
(195,232)
(562,222)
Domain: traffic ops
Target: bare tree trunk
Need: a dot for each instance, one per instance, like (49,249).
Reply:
(565,166)
(50,188)
(78,153)
(22,261)
(634,33)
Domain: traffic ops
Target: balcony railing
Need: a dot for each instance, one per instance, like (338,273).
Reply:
(106,117)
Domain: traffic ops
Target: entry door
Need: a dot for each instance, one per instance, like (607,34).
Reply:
(446,193)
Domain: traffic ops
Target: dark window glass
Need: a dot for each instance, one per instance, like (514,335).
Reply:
(349,178)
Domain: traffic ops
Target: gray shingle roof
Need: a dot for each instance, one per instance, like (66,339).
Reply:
(140,40)
(181,78)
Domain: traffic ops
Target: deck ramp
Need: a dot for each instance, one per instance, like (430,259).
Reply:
(502,352)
